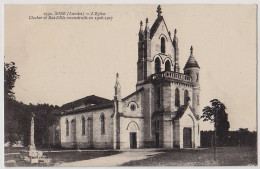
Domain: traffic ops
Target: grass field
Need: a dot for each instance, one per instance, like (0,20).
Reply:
(226,156)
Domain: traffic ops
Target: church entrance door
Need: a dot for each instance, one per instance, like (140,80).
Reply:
(133,143)
(157,142)
(187,137)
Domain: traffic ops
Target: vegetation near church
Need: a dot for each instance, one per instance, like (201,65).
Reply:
(10,75)
(217,114)
(17,114)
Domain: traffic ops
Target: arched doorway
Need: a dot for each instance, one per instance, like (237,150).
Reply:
(187,137)
(133,131)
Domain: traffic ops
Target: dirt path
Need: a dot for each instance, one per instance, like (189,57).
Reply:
(113,160)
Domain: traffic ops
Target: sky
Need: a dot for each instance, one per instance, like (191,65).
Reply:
(60,61)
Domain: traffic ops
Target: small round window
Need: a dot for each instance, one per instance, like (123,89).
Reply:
(133,107)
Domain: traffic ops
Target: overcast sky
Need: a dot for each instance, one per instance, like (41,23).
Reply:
(63,60)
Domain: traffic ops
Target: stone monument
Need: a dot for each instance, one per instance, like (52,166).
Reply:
(32,155)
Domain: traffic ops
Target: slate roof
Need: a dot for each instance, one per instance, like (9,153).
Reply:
(92,99)
(90,108)
(191,62)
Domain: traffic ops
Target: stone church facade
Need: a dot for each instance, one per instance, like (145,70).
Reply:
(163,112)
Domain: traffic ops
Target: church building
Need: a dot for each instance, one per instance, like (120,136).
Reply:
(163,112)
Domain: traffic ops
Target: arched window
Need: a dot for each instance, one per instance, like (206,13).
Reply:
(83,122)
(157,65)
(162,45)
(102,119)
(167,66)
(67,127)
(177,97)
(186,97)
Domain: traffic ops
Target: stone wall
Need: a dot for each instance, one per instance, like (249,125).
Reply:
(85,140)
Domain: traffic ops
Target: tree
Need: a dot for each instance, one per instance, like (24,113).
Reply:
(10,76)
(18,115)
(11,125)
(217,114)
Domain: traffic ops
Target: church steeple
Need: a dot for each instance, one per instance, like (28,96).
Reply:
(176,52)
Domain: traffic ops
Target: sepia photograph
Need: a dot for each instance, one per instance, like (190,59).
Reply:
(111,85)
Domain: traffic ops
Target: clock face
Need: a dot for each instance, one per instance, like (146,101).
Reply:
(132,107)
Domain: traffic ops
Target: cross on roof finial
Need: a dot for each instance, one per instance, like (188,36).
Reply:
(159,10)
(191,50)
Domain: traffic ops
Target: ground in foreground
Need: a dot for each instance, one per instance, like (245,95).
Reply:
(226,156)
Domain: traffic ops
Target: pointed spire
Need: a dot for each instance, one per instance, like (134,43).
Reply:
(175,40)
(141,25)
(146,21)
(159,11)
(141,32)
(147,29)
(191,63)
(117,89)
(117,81)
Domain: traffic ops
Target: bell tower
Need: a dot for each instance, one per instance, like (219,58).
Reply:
(192,69)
